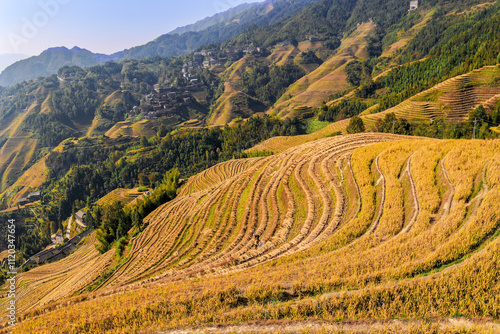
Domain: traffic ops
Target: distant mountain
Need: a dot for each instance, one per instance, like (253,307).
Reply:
(216,29)
(227,16)
(233,22)
(9,59)
(49,62)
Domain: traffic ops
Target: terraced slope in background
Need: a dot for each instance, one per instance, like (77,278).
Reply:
(142,128)
(326,80)
(451,100)
(18,150)
(367,226)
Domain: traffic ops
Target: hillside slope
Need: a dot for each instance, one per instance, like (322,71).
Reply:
(451,100)
(328,79)
(345,225)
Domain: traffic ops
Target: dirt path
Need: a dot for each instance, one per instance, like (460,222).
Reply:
(68,230)
(382,201)
(390,326)
(414,193)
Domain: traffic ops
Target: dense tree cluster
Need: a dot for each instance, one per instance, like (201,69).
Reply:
(343,109)
(268,84)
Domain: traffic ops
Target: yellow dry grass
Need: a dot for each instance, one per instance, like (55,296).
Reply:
(195,263)
(131,129)
(125,196)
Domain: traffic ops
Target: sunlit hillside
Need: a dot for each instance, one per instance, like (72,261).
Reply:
(365,228)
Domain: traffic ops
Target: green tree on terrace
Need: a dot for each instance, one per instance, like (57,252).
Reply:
(117,220)
(356,125)
(401,125)
(114,223)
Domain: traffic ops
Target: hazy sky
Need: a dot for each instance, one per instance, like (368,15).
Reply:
(104,26)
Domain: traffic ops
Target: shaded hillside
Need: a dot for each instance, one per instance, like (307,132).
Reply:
(363,227)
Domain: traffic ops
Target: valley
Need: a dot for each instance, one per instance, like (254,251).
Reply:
(286,166)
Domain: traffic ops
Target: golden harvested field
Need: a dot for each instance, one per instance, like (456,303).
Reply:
(355,230)
(142,128)
(120,195)
(59,280)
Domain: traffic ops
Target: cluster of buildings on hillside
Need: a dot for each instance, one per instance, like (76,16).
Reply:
(165,101)
(32,197)
(206,59)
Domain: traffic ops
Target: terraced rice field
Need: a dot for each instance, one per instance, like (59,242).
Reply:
(120,195)
(327,79)
(59,280)
(233,102)
(366,227)
(130,129)
(452,100)
(30,180)
(17,151)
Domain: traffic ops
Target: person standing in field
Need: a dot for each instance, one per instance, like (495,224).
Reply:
(256,240)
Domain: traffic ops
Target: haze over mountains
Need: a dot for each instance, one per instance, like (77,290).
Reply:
(8,59)
(216,29)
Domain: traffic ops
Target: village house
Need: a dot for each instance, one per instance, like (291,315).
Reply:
(34,196)
(22,201)
(414,4)
(198,57)
(57,239)
(80,218)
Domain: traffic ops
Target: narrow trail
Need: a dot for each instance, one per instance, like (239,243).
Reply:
(449,200)
(392,326)
(416,203)
(382,201)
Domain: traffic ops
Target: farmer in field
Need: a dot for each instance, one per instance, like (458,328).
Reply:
(257,242)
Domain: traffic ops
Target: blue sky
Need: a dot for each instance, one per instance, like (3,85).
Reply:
(105,26)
